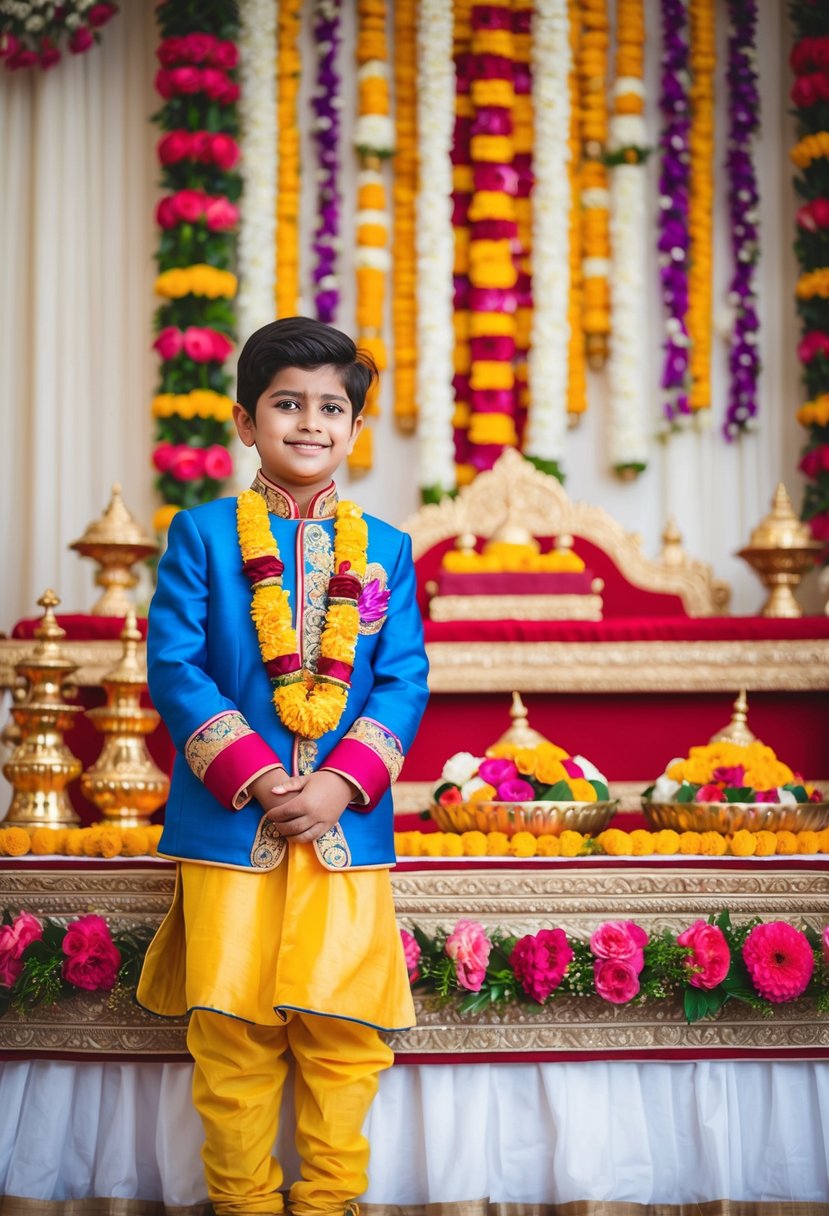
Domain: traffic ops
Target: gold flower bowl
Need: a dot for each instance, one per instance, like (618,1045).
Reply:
(727,817)
(538,818)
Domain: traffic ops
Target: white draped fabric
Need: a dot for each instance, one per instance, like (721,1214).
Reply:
(77,239)
(647,1133)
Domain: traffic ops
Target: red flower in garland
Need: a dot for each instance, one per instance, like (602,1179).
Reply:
(779,960)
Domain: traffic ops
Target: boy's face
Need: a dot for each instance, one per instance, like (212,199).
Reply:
(303,430)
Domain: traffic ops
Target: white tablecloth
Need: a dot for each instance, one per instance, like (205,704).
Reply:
(544,1133)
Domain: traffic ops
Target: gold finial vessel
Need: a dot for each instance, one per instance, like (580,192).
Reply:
(519,732)
(124,783)
(116,542)
(780,551)
(737,730)
(672,553)
(41,765)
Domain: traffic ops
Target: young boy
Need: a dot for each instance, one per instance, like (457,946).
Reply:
(285,654)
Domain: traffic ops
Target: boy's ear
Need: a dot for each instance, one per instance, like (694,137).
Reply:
(245,426)
(356,427)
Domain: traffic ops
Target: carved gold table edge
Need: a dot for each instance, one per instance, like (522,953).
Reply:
(521,899)
(791,665)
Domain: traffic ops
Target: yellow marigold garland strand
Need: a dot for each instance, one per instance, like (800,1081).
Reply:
(701,199)
(404,194)
(577,372)
(462,190)
(592,69)
(307,704)
(288,72)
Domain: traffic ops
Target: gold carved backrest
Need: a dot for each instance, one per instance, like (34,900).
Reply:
(514,490)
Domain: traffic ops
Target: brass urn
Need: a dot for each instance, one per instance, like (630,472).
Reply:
(116,542)
(124,782)
(41,765)
(780,551)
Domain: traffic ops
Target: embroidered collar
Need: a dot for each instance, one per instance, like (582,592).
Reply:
(282,503)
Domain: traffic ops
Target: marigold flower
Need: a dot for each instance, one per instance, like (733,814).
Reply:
(571,843)
(522,844)
(807,842)
(15,842)
(713,844)
(48,842)
(548,846)
(497,844)
(474,844)
(641,843)
(765,844)
(135,842)
(615,842)
(432,844)
(743,843)
(786,842)
(666,842)
(689,843)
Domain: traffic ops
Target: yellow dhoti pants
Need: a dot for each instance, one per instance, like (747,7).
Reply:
(239,1076)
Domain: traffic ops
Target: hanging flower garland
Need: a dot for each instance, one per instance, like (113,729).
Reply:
(493,275)
(326,104)
(435,110)
(810,95)
(463,188)
(576,355)
(673,236)
(374,142)
(523,143)
(548,364)
(32,35)
(288,75)
(743,197)
(701,200)
(595,198)
(195,325)
(628,361)
(257,120)
(404,192)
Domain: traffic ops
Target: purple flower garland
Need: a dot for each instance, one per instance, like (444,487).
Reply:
(743,196)
(673,243)
(326,104)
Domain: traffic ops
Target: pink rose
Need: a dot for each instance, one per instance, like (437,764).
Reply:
(197,47)
(198,344)
(15,939)
(220,214)
(826,945)
(218,463)
(540,961)
(99,14)
(188,464)
(767,795)
(92,959)
(164,83)
(222,345)
(515,790)
(224,151)
(779,960)
(620,940)
(49,55)
(166,213)
(214,82)
(735,775)
(190,205)
(230,94)
(169,52)
(165,456)
(169,342)
(82,39)
(200,146)
(411,952)
(711,958)
(185,80)
(174,146)
(21,58)
(225,55)
(709,793)
(571,768)
(469,948)
(451,797)
(616,980)
(495,771)
(8,45)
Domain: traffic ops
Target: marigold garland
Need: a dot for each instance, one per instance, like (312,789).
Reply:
(701,199)
(404,193)
(595,198)
(576,360)
(462,191)
(288,75)
(308,704)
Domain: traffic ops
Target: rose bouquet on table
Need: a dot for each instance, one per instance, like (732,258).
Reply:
(545,773)
(722,771)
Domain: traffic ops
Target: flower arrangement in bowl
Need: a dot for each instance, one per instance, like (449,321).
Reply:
(734,783)
(540,789)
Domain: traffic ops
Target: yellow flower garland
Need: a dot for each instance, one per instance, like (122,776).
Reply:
(404,193)
(577,375)
(288,73)
(198,403)
(308,704)
(196,280)
(464,322)
(701,200)
(592,71)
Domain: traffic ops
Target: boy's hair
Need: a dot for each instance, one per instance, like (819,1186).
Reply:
(301,342)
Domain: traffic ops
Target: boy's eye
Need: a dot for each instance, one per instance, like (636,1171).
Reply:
(287,404)
(331,407)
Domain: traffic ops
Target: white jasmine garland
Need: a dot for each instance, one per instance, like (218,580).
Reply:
(371,217)
(371,255)
(548,364)
(374,133)
(257,116)
(627,364)
(434,243)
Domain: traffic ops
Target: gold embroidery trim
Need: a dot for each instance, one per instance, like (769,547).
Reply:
(268,847)
(209,741)
(332,849)
(381,742)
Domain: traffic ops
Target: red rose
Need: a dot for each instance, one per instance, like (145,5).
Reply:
(163,83)
(15,939)
(820,212)
(198,344)
(99,14)
(81,40)
(21,58)
(188,464)
(185,80)
(92,959)
(820,52)
(49,55)
(810,463)
(222,346)
(805,219)
(169,342)
(174,146)
(800,58)
(196,48)
(214,82)
(709,793)
(230,94)
(218,462)
(8,45)
(224,55)
(220,214)
(165,456)
(803,92)
(166,213)
(169,52)
(820,526)
(190,205)
(224,151)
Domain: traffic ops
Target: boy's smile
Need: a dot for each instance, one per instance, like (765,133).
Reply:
(303,430)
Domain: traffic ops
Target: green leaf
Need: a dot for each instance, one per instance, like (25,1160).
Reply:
(798,791)
(685,793)
(741,793)
(602,792)
(703,1002)
(560,792)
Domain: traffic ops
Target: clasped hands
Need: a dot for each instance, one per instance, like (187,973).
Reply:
(303,808)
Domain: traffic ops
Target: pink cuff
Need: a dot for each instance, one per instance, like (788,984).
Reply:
(358,763)
(236,766)
(243,795)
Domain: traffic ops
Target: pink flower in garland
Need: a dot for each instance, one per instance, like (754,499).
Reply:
(411,953)
(616,980)
(540,961)
(779,960)
(15,939)
(621,940)
(710,959)
(92,958)
(469,948)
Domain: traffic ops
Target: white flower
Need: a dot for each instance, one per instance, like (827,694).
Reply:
(374,133)
(469,787)
(371,255)
(630,412)
(34,24)
(786,797)
(590,771)
(371,217)
(595,268)
(664,789)
(459,768)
